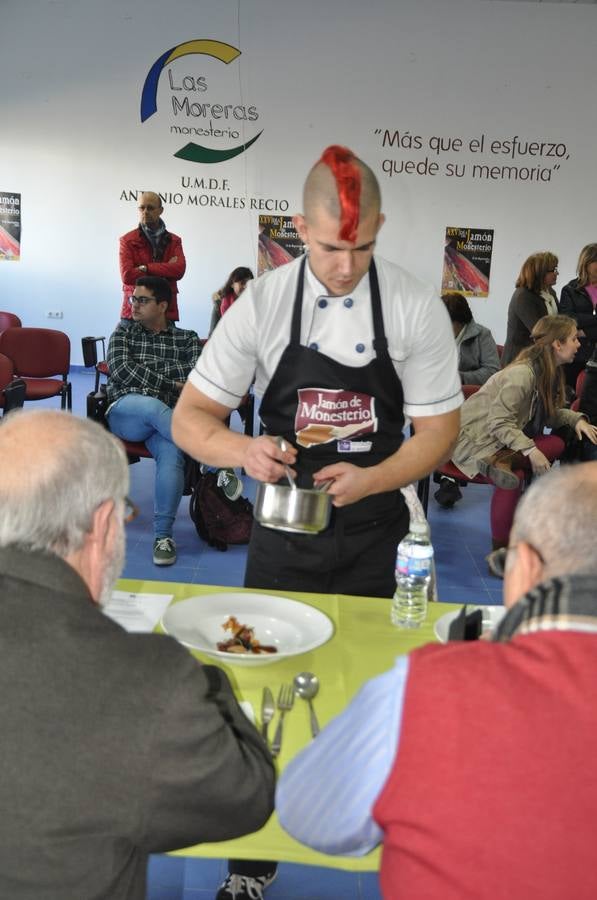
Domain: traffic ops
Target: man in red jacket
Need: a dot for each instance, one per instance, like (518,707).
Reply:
(150,250)
(473,762)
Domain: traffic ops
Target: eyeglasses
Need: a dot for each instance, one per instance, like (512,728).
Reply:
(497,559)
(131,510)
(142,301)
(555,270)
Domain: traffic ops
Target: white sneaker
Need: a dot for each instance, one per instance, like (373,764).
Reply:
(230,483)
(243,887)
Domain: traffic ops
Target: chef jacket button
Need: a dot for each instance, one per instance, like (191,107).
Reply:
(322,303)
(314,346)
(348,302)
(360,348)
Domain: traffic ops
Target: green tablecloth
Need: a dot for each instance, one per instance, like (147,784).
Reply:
(364,644)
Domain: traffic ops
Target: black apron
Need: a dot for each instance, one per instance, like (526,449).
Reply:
(334,413)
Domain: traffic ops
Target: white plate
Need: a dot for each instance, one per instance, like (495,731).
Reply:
(492,616)
(292,627)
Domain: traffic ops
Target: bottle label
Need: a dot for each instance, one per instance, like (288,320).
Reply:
(412,567)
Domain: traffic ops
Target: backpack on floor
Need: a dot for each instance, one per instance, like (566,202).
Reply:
(97,404)
(218,520)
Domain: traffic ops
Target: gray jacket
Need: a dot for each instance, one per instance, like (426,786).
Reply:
(114,745)
(478,356)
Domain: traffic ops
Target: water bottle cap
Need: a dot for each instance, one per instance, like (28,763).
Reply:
(419,528)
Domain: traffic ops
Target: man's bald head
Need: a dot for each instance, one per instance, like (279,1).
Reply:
(57,470)
(150,209)
(335,184)
(554,529)
(150,197)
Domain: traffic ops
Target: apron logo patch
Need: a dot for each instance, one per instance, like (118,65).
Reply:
(354,446)
(324,415)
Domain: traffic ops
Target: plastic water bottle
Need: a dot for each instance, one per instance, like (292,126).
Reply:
(414,563)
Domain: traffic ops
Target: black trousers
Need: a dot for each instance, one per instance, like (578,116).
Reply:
(347,558)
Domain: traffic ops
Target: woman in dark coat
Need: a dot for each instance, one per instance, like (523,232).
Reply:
(579,301)
(533,298)
(225,297)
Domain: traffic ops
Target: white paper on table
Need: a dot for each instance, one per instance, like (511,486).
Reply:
(248,710)
(137,612)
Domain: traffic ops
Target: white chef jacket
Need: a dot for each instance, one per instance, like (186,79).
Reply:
(250,339)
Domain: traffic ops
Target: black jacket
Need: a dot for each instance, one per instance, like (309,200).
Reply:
(114,745)
(576,303)
(588,396)
(525,309)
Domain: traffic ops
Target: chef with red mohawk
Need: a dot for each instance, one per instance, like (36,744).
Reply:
(343,346)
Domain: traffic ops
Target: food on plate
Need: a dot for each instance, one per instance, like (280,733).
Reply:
(243,639)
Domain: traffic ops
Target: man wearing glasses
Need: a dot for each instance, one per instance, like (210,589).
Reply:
(472,762)
(150,250)
(114,745)
(149,360)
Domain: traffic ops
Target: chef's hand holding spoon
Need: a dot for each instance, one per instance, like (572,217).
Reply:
(264,459)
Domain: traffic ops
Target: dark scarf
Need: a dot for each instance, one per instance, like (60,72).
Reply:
(158,239)
(567,603)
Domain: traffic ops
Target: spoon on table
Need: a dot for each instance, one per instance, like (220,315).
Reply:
(306,685)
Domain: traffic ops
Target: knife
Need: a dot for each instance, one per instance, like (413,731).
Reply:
(268,709)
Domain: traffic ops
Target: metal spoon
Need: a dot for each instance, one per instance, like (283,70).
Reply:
(284,446)
(306,685)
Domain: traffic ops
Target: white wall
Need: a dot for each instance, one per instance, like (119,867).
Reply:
(331,71)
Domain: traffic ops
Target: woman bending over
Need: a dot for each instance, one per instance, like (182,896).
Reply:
(502,425)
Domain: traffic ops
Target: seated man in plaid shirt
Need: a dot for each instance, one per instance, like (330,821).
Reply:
(149,362)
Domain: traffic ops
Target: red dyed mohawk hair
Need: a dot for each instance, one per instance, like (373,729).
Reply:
(347,175)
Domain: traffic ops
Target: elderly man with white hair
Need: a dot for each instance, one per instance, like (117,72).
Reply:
(472,763)
(113,745)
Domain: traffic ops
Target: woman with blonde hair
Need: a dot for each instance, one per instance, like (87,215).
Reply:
(533,298)
(501,432)
(579,300)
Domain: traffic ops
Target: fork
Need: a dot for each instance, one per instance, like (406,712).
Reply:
(285,701)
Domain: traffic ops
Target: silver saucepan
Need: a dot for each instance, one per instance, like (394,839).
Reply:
(302,510)
(288,508)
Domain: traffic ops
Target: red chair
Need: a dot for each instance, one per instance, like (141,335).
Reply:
(37,355)
(449,470)
(135,450)
(9,320)
(12,390)
(580,380)
(446,470)
(469,389)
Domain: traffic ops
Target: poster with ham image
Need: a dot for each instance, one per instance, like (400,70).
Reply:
(10,226)
(467,261)
(278,244)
